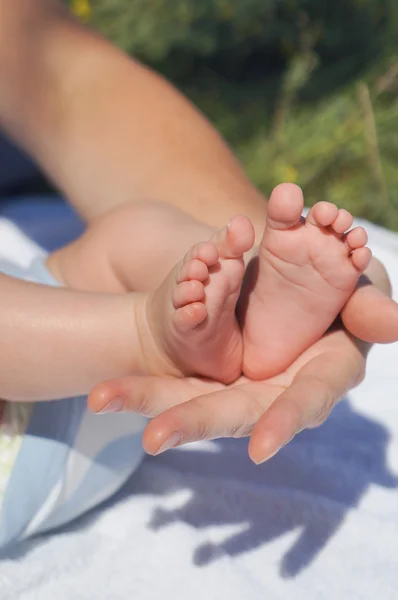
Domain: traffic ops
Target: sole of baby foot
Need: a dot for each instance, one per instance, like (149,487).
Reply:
(305,271)
(192,315)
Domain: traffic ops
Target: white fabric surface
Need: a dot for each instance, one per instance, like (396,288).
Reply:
(318,522)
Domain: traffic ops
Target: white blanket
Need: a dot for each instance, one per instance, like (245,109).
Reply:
(319,521)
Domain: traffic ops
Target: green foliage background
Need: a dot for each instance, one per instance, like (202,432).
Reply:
(304,90)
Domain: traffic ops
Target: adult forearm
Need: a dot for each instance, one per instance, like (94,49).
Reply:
(109,131)
(57,342)
(28,102)
(142,140)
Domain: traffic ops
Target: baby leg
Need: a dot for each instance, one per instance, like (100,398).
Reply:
(130,249)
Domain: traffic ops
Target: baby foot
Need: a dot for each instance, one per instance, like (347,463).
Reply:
(305,271)
(192,315)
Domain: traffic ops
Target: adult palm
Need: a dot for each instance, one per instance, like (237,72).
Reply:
(271,412)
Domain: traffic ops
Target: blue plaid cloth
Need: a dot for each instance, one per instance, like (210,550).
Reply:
(69,460)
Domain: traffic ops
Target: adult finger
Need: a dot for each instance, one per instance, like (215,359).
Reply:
(315,389)
(371,315)
(231,412)
(147,396)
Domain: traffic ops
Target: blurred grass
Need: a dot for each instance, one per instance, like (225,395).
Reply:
(303,90)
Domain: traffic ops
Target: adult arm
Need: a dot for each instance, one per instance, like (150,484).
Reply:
(107,130)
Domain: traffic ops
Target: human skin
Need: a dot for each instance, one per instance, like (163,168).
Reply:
(62,84)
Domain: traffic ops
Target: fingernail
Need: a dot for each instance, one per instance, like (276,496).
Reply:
(173,439)
(259,461)
(115,405)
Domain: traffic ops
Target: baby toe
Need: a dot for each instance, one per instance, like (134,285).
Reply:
(192,269)
(205,251)
(285,207)
(235,239)
(361,258)
(356,238)
(343,221)
(322,214)
(187,292)
(190,316)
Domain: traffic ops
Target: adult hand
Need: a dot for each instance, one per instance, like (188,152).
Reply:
(271,412)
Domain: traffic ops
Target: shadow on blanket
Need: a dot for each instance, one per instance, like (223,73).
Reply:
(307,490)
(310,486)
